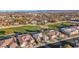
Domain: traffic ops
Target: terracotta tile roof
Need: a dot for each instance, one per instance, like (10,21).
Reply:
(7,41)
(2,47)
(14,45)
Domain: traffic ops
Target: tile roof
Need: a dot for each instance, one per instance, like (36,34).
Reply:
(2,47)
(7,41)
(14,45)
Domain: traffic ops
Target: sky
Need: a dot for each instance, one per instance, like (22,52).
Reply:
(38,4)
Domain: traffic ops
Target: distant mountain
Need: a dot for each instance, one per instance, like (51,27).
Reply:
(39,10)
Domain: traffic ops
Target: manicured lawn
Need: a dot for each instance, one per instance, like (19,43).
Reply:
(67,23)
(56,26)
(21,29)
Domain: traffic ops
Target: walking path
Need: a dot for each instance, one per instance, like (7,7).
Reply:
(44,26)
(12,26)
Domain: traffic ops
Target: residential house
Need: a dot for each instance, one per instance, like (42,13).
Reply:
(38,36)
(7,42)
(70,31)
(34,22)
(25,39)
(53,34)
